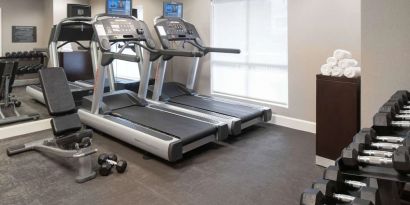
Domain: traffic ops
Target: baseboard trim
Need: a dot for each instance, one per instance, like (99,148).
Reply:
(294,123)
(25,128)
(324,162)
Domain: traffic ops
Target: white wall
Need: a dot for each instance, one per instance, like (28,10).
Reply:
(386,53)
(316,28)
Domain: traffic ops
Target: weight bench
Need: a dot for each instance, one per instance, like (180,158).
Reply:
(70,140)
(8,102)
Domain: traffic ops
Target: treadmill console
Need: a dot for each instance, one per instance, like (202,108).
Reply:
(173,29)
(121,29)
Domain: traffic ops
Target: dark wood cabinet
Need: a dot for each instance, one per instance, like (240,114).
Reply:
(337,114)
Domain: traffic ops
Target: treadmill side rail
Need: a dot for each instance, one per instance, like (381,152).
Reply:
(161,145)
(267,112)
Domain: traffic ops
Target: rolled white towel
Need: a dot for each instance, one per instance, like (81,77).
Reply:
(340,54)
(337,71)
(353,72)
(326,69)
(332,61)
(345,63)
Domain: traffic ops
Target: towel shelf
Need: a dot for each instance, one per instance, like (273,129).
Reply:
(337,114)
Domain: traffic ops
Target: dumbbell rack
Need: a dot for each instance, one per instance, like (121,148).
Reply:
(29,64)
(392,184)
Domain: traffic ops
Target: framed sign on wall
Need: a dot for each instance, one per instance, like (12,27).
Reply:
(24,34)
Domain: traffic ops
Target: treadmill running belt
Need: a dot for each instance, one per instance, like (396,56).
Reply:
(186,129)
(244,113)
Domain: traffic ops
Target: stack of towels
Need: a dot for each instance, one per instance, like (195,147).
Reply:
(341,64)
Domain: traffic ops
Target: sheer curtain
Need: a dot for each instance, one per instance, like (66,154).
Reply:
(259,29)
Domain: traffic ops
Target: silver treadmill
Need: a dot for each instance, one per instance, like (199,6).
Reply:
(239,115)
(128,116)
(68,30)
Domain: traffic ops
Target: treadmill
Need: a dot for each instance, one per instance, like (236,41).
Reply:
(75,30)
(240,115)
(128,116)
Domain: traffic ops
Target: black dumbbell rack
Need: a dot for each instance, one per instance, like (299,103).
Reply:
(392,184)
(28,61)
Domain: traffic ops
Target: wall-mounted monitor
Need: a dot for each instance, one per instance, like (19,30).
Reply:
(74,10)
(173,10)
(119,7)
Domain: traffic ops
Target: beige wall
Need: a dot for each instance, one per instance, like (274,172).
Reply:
(316,28)
(386,52)
(24,13)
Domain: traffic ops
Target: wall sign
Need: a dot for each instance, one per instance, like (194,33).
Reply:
(24,34)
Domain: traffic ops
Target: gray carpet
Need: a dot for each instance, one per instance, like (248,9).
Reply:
(266,165)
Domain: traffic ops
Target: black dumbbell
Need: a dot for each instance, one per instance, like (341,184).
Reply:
(108,161)
(391,139)
(26,54)
(397,105)
(387,120)
(13,55)
(366,151)
(332,173)
(367,140)
(329,194)
(32,54)
(400,160)
(20,54)
(7,55)
(395,111)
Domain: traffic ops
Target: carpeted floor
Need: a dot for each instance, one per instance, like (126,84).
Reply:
(266,165)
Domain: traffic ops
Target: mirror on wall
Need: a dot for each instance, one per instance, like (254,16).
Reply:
(24,49)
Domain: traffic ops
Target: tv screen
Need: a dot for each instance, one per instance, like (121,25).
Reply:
(173,9)
(74,10)
(119,7)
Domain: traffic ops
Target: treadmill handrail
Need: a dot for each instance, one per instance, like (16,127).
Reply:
(207,50)
(156,53)
(108,57)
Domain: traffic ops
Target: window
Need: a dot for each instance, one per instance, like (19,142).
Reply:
(125,69)
(259,29)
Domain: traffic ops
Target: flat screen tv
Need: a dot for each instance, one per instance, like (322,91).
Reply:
(119,7)
(173,10)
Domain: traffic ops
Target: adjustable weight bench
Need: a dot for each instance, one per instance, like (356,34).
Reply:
(70,140)
(8,103)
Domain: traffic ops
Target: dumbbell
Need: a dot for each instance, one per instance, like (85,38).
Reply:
(8,54)
(13,55)
(400,160)
(386,120)
(332,173)
(395,111)
(367,140)
(331,195)
(108,161)
(391,139)
(316,197)
(32,54)
(364,150)
(26,54)
(19,54)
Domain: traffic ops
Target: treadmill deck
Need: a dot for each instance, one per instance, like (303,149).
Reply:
(244,113)
(186,129)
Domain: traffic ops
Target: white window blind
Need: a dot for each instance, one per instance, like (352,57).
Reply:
(259,29)
(125,69)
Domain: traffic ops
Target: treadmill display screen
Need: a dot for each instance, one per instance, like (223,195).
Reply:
(119,7)
(173,10)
